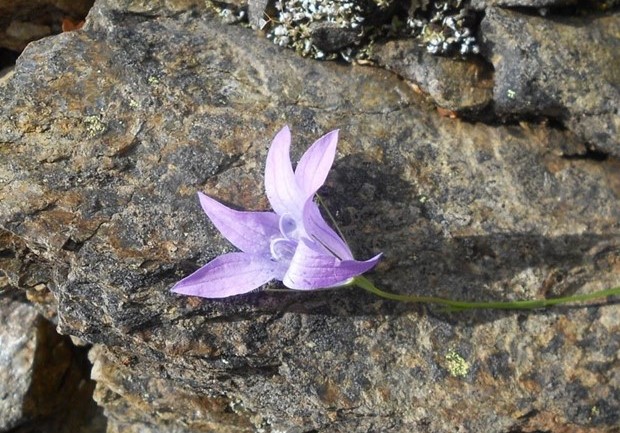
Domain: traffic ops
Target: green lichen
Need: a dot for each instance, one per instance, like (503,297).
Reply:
(456,365)
(94,126)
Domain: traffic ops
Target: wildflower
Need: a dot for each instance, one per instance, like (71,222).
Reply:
(293,244)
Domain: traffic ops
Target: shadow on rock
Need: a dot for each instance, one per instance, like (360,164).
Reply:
(497,267)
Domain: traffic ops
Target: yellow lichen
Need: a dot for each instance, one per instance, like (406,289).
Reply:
(94,126)
(456,364)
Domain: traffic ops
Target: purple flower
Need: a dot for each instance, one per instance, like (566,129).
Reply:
(294,244)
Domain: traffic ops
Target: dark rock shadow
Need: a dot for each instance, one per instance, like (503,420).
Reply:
(456,274)
(452,269)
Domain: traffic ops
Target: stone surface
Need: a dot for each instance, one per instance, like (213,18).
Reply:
(452,84)
(21,268)
(130,398)
(259,12)
(330,38)
(43,386)
(534,4)
(546,7)
(324,29)
(18,341)
(23,21)
(565,68)
(99,169)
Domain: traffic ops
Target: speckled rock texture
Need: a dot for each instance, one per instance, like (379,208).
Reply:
(108,132)
(18,341)
(461,85)
(535,5)
(566,68)
(43,387)
(559,68)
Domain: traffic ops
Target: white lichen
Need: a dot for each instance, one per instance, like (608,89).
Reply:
(291,25)
(446,27)
(448,30)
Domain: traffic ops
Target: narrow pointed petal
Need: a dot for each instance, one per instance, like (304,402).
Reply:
(228,275)
(318,230)
(248,231)
(280,184)
(315,164)
(310,269)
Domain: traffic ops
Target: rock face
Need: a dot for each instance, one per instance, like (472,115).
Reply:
(42,384)
(535,4)
(17,359)
(560,68)
(465,86)
(105,137)
(566,68)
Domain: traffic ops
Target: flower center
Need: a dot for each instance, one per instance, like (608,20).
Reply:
(288,227)
(282,249)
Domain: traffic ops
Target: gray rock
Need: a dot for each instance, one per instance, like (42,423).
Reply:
(446,27)
(233,12)
(325,29)
(107,134)
(18,342)
(259,12)
(31,276)
(534,4)
(42,382)
(330,37)
(459,85)
(564,68)
(170,399)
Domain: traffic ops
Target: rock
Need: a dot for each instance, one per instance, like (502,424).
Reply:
(42,381)
(445,27)
(259,12)
(232,12)
(172,402)
(98,178)
(534,4)
(23,21)
(18,270)
(545,7)
(565,68)
(330,38)
(18,340)
(453,84)
(24,31)
(323,29)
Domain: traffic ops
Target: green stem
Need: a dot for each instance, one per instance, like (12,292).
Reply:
(452,305)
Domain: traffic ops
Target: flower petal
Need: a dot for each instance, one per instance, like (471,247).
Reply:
(315,164)
(318,230)
(311,269)
(228,275)
(282,190)
(248,231)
